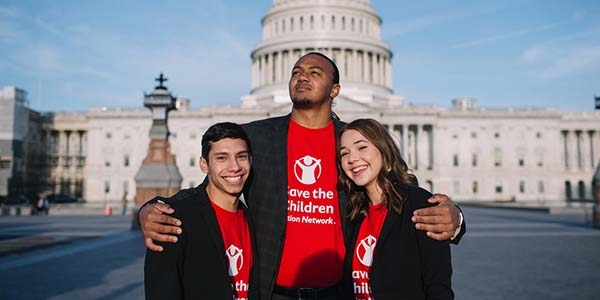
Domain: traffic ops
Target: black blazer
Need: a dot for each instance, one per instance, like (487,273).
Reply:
(267,194)
(406,263)
(195,267)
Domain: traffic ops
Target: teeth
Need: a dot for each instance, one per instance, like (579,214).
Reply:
(233,178)
(358,169)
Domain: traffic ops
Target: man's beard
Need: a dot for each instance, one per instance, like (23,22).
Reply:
(302,103)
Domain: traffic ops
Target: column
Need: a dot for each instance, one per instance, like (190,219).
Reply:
(593,148)
(342,64)
(584,148)
(365,68)
(388,73)
(395,136)
(427,146)
(572,144)
(354,67)
(578,149)
(254,72)
(419,147)
(566,152)
(404,140)
(375,68)
(261,70)
(278,68)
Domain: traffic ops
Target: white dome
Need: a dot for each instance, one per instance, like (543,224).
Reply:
(348,31)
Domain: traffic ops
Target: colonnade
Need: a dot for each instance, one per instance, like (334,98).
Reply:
(354,65)
(67,154)
(580,149)
(415,142)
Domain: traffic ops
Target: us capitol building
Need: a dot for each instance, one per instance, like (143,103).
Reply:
(530,156)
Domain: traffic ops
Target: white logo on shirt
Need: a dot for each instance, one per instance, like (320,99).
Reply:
(236,260)
(364,251)
(309,169)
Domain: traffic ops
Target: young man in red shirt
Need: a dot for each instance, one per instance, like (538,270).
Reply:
(297,211)
(213,257)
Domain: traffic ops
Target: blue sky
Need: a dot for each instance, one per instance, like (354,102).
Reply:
(73,55)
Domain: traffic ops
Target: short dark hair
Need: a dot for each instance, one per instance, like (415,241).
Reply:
(336,71)
(221,131)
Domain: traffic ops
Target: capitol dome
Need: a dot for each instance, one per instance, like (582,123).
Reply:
(348,31)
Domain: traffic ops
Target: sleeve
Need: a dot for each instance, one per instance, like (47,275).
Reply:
(153,200)
(436,265)
(461,230)
(162,272)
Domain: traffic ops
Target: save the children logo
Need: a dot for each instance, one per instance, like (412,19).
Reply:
(236,260)
(364,251)
(307,169)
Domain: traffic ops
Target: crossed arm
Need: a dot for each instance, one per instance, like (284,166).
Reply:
(441,222)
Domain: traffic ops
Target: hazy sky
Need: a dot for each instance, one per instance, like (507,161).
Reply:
(73,55)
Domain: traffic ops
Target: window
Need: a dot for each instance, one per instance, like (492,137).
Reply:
(108,135)
(475,187)
(498,188)
(192,161)
(474,160)
(568,191)
(455,160)
(521,162)
(107,163)
(538,135)
(497,157)
(473,135)
(581,188)
(541,189)
(126,160)
(456,184)
(5,162)
(521,187)
(497,135)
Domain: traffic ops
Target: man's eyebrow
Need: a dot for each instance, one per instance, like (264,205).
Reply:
(310,67)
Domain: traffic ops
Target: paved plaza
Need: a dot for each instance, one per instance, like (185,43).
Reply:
(506,254)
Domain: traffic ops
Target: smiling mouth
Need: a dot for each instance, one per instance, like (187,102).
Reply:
(358,169)
(232,179)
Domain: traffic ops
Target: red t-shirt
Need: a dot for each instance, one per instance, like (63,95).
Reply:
(364,249)
(238,249)
(313,249)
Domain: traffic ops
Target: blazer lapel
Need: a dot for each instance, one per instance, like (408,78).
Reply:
(391,219)
(279,160)
(209,216)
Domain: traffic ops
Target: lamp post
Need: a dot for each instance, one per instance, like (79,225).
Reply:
(158,174)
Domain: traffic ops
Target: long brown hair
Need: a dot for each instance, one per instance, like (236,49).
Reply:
(393,178)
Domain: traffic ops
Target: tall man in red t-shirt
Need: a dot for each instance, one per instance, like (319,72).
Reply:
(292,196)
